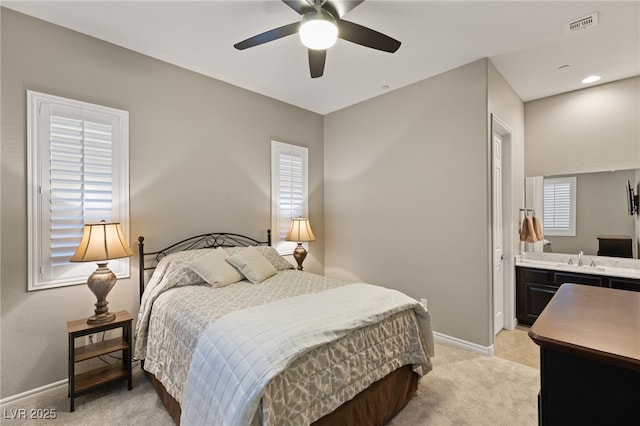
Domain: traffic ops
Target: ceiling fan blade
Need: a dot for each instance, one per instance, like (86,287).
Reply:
(364,36)
(317,59)
(300,6)
(344,7)
(337,8)
(268,36)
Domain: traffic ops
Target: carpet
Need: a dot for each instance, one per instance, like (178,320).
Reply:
(463,389)
(470,389)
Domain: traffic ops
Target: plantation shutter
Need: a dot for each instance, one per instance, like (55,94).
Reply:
(81,182)
(289,191)
(559,206)
(82,177)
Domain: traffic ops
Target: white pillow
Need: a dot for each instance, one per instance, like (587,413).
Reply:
(254,266)
(269,253)
(214,269)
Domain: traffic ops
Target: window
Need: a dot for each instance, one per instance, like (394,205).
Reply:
(289,191)
(560,206)
(78,171)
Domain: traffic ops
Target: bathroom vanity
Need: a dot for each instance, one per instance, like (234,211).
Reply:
(539,277)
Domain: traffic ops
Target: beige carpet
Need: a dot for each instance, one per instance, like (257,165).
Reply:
(463,389)
(470,389)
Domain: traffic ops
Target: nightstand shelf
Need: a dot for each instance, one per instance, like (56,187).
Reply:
(100,348)
(88,380)
(81,383)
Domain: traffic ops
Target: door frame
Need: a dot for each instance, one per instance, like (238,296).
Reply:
(508,224)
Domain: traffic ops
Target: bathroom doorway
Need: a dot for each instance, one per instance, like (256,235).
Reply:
(502,260)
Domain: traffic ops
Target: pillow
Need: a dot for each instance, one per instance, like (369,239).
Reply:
(254,266)
(177,267)
(214,269)
(270,253)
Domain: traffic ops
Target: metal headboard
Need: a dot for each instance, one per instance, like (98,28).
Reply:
(210,240)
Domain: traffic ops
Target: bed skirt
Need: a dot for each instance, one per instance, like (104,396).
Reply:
(375,405)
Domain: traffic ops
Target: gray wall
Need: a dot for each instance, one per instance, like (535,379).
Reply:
(589,130)
(199,161)
(508,108)
(407,187)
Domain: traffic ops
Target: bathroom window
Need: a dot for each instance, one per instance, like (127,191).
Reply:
(560,206)
(78,172)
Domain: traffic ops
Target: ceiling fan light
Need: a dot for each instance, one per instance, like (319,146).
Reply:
(318,31)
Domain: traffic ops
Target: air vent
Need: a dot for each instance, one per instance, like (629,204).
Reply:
(582,23)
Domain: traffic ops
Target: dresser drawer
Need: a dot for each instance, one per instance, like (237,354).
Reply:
(568,277)
(624,283)
(541,276)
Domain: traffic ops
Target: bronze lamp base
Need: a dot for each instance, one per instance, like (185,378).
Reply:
(299,254)
(100,283)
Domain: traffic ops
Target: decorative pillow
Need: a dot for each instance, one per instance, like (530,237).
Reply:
(178,267)
(214,269)
(254,266)
(270,253)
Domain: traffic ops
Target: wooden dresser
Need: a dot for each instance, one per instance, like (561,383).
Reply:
(589,340)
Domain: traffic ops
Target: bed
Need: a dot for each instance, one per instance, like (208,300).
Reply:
(203,336)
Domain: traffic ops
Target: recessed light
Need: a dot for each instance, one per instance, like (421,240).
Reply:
(385,87)
(563,67)
(591,79)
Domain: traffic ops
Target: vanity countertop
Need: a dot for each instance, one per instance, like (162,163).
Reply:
(612,267)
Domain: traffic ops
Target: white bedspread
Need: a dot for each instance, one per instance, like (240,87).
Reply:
(237,355)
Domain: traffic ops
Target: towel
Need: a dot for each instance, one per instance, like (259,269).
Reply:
(537,226)
(531,232)
(527,231)
(524,230)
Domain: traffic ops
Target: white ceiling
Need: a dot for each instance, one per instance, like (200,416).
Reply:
(526,41)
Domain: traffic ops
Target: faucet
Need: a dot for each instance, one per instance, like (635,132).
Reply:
(580,259)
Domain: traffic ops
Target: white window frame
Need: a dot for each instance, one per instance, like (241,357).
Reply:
(280,220)
(570,229)
(42,274)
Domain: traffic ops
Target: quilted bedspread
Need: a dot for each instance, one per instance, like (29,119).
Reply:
(239,354)
(176,311)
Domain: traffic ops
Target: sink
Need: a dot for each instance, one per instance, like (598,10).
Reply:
(572,267)
(584,268)
(563,266)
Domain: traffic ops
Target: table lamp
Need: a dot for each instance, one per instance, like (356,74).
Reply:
(100,243)
(300,232)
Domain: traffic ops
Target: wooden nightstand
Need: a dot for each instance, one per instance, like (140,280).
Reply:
(87,381)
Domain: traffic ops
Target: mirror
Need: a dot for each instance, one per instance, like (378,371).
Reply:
(601,218)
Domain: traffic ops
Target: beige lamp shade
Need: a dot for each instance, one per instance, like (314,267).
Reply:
(101,241)
(300,231)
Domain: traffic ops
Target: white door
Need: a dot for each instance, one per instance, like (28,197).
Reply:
(498,249)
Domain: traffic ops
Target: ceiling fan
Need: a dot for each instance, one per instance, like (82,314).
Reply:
(321,25)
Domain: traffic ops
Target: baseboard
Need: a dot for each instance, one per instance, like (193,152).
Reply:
(462,344)
(510,325)
(33,392)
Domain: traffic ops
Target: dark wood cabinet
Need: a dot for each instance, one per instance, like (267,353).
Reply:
(535,287)
(589,357)
(561,277)
(624,284)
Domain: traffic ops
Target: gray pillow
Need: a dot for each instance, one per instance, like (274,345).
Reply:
(254,266)
(215,270)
